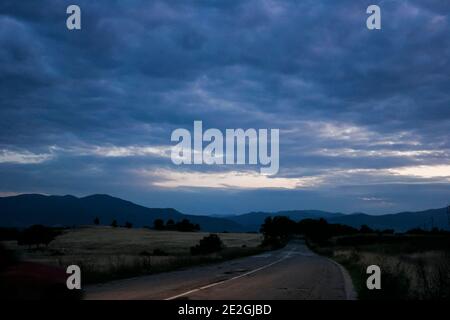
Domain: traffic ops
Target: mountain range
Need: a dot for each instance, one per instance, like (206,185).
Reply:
(27,209)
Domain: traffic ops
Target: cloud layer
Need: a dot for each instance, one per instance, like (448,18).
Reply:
(363,115)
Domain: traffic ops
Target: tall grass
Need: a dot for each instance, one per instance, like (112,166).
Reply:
(412,268)
(121,266)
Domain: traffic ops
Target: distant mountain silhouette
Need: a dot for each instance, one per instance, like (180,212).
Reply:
(29,209)
(402,221)
(253,220)
(399,221)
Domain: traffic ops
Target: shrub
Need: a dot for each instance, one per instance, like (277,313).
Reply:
(366,229)
(170,225)
(158,224)
(207,245)
(128,225)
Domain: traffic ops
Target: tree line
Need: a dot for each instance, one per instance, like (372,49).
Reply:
(278,230)
(34,235)
(184,225)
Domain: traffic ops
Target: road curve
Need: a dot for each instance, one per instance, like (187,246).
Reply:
(291,273)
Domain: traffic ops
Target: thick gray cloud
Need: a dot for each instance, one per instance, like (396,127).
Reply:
(365,114)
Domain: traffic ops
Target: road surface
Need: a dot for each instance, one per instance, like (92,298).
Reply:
(293,272)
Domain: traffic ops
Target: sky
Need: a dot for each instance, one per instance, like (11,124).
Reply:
(364,116)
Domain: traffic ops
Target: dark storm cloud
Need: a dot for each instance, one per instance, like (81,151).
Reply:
(343,97)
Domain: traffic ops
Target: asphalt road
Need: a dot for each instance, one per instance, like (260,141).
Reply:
(291,273)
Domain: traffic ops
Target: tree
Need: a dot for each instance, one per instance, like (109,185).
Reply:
(170,225)
(36,235)
(114,223)
(186,226)
(366,229)
(96,221)
(158,224)
(128,225)
(320,231)
(277,230)
(207,245)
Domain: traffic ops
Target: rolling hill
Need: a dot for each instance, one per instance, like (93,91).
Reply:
(401,222)
(27,209)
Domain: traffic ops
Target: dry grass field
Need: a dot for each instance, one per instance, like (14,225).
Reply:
(106,253)
(413,267)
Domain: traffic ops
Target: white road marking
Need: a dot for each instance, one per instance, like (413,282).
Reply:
(288,255)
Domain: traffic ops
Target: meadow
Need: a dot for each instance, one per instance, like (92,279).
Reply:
(413,267)
(107,253)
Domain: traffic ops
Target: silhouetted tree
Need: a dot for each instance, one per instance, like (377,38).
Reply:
(186,226)
(366,229)
(321,231)
(158,224)
(96,221)
(128,225)
(36,235)
(170,225)
(434,231)
(207,245)
(277,230)
(114,223)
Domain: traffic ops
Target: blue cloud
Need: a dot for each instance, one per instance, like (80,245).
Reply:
(351,104)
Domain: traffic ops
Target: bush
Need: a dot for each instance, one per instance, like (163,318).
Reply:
(170,225)
(128,225)
(158,224)
(207,245)
(366,229)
